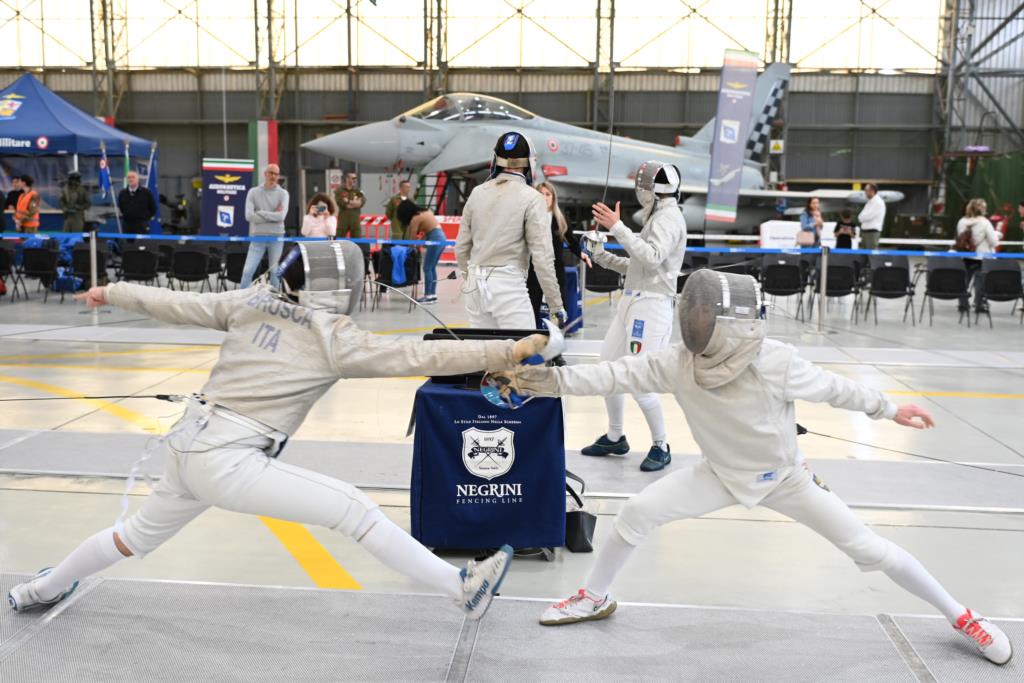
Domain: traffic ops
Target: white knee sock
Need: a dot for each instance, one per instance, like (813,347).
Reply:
(616,405)
(95,554)
(611,558)
(390,544)
(911,575)
(650,404)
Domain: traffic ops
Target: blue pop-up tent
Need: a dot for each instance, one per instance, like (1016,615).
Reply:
(47,137)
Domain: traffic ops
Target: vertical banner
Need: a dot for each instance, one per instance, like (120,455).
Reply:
(263,143)
(732,128)
(225,185)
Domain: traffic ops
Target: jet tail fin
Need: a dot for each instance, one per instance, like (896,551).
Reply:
(768,91)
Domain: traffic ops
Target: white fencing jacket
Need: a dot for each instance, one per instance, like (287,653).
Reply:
(746,428)
(278,358)
(655,255)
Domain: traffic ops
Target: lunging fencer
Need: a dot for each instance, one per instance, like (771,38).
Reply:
(643,319)
(281,353)
(737,389)
(504,223)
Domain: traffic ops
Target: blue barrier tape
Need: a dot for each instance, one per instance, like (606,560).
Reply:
(367,240)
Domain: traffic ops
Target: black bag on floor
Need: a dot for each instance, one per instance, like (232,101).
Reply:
(579,524)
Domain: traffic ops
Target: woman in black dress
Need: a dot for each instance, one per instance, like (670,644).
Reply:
(559,234)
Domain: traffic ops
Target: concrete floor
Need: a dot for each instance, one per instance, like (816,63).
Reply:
(968,531)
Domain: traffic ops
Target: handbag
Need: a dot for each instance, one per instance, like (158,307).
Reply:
(579,524)
(805,238)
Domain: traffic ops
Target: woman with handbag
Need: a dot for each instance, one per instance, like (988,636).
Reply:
(810,224)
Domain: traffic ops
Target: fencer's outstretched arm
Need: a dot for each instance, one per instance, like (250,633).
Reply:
(606,259)
(650,252)
(181,308)
(655,372)
(357,353)
(800,379)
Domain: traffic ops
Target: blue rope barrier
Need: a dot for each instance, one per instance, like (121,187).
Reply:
(368,240)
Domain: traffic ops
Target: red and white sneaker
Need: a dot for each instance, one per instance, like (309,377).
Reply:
(990,640)
(581,607)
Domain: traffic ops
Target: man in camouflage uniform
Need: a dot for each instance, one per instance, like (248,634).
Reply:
(399,230)
(350,200)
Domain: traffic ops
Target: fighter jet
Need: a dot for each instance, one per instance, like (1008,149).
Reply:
(456,133)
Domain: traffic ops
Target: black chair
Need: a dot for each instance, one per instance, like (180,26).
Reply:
(140,265)
(947,280)
(601,280)
(890,279)
(8,270)
(782,275)
(728,262)
(234,263)
(1001,281)
(188,266)
(841,282)
(82,268)
(383,268)
(40,262)
(165,251)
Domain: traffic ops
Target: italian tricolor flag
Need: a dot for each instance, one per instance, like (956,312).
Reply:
(263,143)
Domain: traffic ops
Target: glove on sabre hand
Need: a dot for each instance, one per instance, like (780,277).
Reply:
(537,348)
(525,382)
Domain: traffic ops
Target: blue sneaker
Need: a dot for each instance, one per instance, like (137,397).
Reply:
(428,300)
(657,459)
(24,596)
(605,446)
(481,581)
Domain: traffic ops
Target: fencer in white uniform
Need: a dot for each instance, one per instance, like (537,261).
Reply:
(737,390)
(504,223)
(644,318)
(277,359)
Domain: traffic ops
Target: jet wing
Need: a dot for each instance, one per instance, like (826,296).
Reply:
(468,149)
(774,194)
(591,181)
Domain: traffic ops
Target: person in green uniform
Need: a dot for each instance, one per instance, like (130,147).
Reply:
(350,200)
(74,200)
(399,230)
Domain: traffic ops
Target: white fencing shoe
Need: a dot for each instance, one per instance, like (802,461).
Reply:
(581,607)
(988,638)
(23,596)
(481,580)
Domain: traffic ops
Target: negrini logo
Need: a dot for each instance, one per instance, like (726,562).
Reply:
(488,453)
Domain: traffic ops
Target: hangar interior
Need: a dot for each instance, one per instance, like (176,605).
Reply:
(885,91)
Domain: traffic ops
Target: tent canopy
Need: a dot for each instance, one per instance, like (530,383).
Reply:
(35,121)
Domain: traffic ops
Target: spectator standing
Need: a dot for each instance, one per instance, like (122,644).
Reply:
(74,200)
(11,200)
(265,209)
(423,224)
(559,229)
(399,230)
(985,238)
(810,222)
(871,218)
(320,219)
(26,215)
(350,200)
(136,205)
(845,230)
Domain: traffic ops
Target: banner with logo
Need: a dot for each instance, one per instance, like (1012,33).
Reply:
(226,182)
(732,124)
(482,476)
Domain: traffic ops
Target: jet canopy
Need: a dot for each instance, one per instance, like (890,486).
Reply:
(468,107)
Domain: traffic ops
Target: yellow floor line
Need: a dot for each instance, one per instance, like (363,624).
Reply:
(957,394)
(311,555)
(147,423)
(95,354)
(103,368)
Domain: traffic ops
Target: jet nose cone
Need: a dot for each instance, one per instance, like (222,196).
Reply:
(376,144)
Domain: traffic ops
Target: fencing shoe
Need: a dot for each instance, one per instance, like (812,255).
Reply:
(581,607)
(605,446)
(988,638)
(481,580)
(658,458)
(23,596)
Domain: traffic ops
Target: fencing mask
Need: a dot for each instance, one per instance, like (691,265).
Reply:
(324,275)
(721,316)
(514,151)
(654,178)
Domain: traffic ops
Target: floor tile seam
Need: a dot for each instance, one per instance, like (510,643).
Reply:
(37,626)
(908,654)
(462,654)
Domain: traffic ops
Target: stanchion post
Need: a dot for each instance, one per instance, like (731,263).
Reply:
(93,275)
(823,289)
